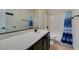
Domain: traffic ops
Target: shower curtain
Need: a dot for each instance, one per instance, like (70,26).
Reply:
(67,34)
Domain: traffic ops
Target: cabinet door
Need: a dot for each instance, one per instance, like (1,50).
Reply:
(46,42)
(48,39)
(38,45)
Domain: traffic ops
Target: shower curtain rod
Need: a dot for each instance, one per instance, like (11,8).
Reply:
(75,16)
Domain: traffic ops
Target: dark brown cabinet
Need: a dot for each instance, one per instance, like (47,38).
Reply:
(42,44)
(46,41)
(38,45)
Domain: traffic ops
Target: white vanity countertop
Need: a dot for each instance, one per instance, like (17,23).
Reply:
(22,41)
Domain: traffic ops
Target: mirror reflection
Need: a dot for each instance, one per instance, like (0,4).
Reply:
(15,19)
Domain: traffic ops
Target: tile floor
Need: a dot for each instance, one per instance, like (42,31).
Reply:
(55,45)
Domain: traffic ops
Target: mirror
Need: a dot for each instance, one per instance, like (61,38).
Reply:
(15,19)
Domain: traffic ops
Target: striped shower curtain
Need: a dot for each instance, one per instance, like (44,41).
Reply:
(67,34)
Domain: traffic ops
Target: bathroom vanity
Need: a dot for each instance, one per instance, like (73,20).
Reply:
(42,44)
(29,40)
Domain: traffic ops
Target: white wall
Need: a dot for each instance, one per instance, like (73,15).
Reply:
(75,26)
(39,18)
(56,22)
